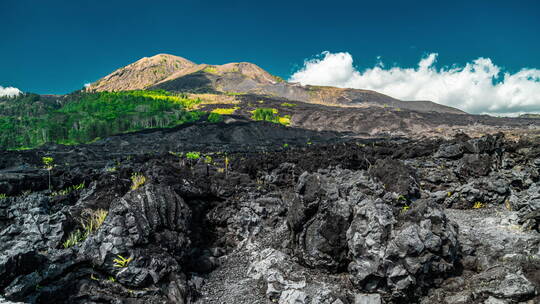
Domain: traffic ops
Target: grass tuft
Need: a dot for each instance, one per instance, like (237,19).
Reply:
(121,262)
(94,219)
(137,180)
(478,205)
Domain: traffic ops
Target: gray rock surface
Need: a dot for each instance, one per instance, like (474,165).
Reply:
(384,222)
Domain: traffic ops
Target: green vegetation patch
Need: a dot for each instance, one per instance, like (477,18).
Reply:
(90,224)
(28,121)
(137,180)
(211,70)
(225,111)
(235,93)
(68,190)
(286,104)
(271,115)
(193,155)
(215,118)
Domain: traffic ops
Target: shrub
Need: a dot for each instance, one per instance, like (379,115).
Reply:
(226,165)
(48,164)
(94,219)
(74,238)
(2,196)
(69,189)
(193,155)
(284,120)
(265,114)
(478,205)
(215,118)
(269,114)
(286,104)
(121,262)
(225,111)
(137,180)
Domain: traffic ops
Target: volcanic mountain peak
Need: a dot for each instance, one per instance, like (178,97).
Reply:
(177,74)
(141,74)
(250,70)
(235,69)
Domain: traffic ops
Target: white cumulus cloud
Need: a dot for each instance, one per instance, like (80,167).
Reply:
(9,91)
(477,87)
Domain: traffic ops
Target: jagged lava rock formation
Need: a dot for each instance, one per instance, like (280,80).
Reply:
(340,220)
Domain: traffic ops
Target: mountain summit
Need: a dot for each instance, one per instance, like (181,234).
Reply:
(142,73)
(177,74)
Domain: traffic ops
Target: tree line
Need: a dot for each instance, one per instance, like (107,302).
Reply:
(30,120)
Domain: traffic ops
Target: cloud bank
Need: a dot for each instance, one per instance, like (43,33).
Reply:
(9,91)
(478,87)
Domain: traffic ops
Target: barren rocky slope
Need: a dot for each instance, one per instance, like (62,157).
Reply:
(378,121)
(268,214)
(142,73)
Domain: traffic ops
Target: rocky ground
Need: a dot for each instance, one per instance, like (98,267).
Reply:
(298,217)
(369,121)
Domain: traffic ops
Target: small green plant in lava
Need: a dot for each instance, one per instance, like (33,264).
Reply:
(215,117)
(478,205)
(121,262)
(68,190)
(48,164)
(193,155)
(137,180)
(90,224)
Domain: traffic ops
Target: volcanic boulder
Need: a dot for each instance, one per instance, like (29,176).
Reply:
(320,215)
(403,254)
(148,225)
(344,221)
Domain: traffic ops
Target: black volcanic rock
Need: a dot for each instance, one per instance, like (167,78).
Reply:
(335,220)
(396,177)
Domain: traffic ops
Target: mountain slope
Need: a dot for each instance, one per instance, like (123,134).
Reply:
(30,120)
(245,77)
(142,73)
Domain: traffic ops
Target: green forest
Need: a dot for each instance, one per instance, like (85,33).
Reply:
(30,120)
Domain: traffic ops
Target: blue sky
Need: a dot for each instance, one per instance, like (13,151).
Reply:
(57,46)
